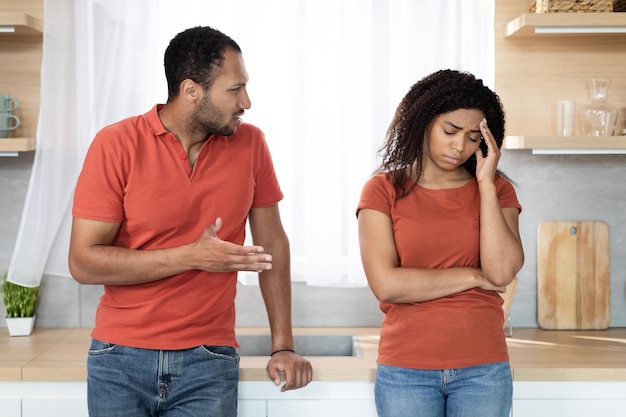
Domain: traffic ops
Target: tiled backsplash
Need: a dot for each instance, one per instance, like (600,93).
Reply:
(550,187)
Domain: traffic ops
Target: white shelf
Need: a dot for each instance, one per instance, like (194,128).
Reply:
(531,24)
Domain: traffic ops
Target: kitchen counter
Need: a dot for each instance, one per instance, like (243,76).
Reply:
(59,354)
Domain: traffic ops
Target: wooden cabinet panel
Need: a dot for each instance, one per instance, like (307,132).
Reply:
(534,71)
(20,67)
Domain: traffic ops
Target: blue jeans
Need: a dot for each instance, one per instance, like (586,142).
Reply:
(475,391)
(198,382)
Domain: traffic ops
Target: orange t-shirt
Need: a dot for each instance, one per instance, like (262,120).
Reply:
(136,173)
(439,229)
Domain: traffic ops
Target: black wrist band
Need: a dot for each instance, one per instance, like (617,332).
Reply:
(282,350)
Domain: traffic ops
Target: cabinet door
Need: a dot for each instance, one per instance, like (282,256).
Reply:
(66,407)
(67,399)
(568,407)
(10,407)
(77,407)
(317,408)
(252,408)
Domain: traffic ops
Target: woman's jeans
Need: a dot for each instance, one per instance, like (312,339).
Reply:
(198,382)
(476,391)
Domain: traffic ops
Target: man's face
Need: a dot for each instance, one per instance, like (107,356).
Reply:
(222,106)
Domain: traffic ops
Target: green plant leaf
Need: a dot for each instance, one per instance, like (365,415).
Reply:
(19,301)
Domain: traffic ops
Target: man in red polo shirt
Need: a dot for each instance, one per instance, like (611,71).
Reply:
(159,217)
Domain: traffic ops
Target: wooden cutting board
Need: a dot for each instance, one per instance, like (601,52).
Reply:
(573,275)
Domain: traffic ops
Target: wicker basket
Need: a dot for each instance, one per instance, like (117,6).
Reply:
(573,6)
(619,5)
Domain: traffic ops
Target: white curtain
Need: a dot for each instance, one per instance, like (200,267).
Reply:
(325,78)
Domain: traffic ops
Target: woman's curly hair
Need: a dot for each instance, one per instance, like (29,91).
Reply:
(441,92)
(195,54)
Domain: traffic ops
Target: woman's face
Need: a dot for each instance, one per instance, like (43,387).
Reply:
(452,138)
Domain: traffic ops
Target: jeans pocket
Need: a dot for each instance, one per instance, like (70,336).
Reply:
(99,347)
(221,352)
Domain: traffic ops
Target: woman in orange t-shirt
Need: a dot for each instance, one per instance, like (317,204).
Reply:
(439,236)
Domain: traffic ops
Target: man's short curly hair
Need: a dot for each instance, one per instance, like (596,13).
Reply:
(441,92)
(195,54)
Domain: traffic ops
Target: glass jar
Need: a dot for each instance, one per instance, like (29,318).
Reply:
(599,117)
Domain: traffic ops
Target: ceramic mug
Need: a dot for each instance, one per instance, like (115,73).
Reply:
(8,122)
(8,103)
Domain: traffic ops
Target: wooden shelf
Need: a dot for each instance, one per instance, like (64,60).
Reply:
(530,24)
(17,144)
(567,145)
(22,24)
(21,37)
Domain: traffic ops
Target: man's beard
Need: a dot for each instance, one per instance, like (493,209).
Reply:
(207,116)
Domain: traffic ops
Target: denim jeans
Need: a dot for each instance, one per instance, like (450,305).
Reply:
(476,391)
(198,382)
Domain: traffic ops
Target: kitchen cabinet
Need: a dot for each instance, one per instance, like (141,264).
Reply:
(545,57)
(10,399)
(35,399)
(21,44)
(252,408)
(66,407)
(77,407)
(10,407)
(571,399)
(329,399)
(570,408)
(257,399)
(316,408)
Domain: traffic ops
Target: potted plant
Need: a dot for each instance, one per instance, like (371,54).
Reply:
(20,303)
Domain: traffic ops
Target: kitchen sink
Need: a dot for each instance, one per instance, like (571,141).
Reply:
(304,344)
